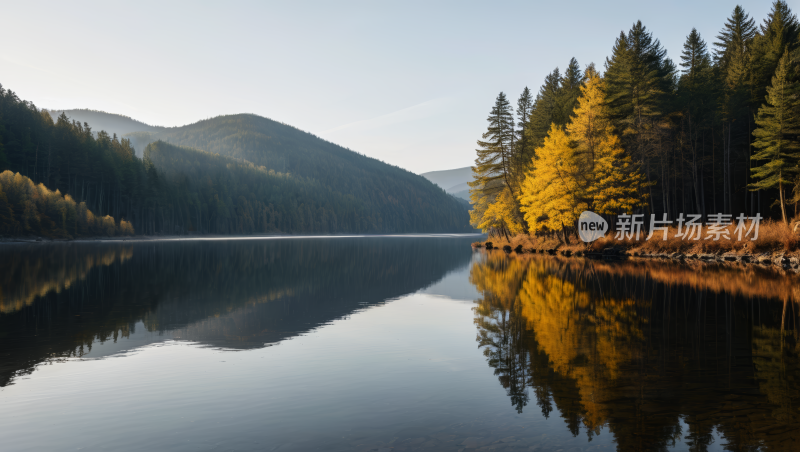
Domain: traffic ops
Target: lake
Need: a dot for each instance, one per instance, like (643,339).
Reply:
(399,343)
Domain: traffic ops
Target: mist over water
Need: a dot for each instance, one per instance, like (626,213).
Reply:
(388,343)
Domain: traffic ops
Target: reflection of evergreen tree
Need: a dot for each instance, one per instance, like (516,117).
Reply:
(500,331)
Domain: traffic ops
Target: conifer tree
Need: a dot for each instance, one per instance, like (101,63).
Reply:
(608,177)
(555,101)
(524,151)
(731,53)
(569,91)
(545,109)
(492,172)
(638,77)
(697,102)
(776,136)
(553,194)
(778,33)
(733,57)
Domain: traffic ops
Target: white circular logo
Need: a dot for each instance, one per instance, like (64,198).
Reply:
(591,226)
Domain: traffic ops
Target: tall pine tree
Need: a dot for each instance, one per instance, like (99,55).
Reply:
(546,109)
(524,144)
(492,172)
(639,81)
(569,91)
(778,33)
(776,136)
(695,90)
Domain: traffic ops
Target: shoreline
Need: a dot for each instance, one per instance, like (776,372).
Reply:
(211,237)
(787,262)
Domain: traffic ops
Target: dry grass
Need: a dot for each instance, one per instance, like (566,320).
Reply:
(772,237)
(528,243)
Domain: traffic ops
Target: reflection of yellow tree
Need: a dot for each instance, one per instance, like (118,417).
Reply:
(579,326)
(29,275)
(585,338)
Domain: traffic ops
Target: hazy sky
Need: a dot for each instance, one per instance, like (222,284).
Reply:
(410,83)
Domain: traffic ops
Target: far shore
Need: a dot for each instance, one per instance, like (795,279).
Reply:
(204,237)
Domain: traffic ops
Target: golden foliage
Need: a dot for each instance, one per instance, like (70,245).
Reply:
(611,343)
(26,208)
(498,214)
(552,193)
(580,168)
(46,274)
(570,326)
(613,182)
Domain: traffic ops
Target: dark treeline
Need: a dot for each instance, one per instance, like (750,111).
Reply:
(98,170)
(34,209)
(319,188)
(715,133)
(200,191)
(59,300)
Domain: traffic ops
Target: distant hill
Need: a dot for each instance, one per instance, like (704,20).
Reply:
(110,122)
(453,181)
(398,199)
(357,193)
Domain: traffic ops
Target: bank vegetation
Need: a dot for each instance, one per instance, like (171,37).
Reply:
(717,133)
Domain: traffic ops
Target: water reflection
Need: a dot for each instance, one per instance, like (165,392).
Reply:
(61,300)
(655,352)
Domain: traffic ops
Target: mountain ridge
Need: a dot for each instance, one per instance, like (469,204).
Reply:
(384,197)
(453,181)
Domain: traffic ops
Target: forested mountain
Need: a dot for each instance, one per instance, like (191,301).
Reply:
(390,194)
(246,199)
(285,149)
(719,132)
(109,122)
(267,178)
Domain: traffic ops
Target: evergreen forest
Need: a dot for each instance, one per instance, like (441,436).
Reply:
(253,175)
(716,132)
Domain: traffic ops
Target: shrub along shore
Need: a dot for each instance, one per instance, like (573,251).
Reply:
(776,244)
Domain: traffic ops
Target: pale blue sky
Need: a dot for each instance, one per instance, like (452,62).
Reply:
(410,83)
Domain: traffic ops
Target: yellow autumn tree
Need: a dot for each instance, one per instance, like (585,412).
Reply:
(553,193)
(613,184)
(580,168)
(498,215)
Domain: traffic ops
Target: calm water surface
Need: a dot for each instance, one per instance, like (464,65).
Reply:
(388,343)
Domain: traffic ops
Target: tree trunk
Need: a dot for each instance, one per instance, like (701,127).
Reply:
(783,204)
